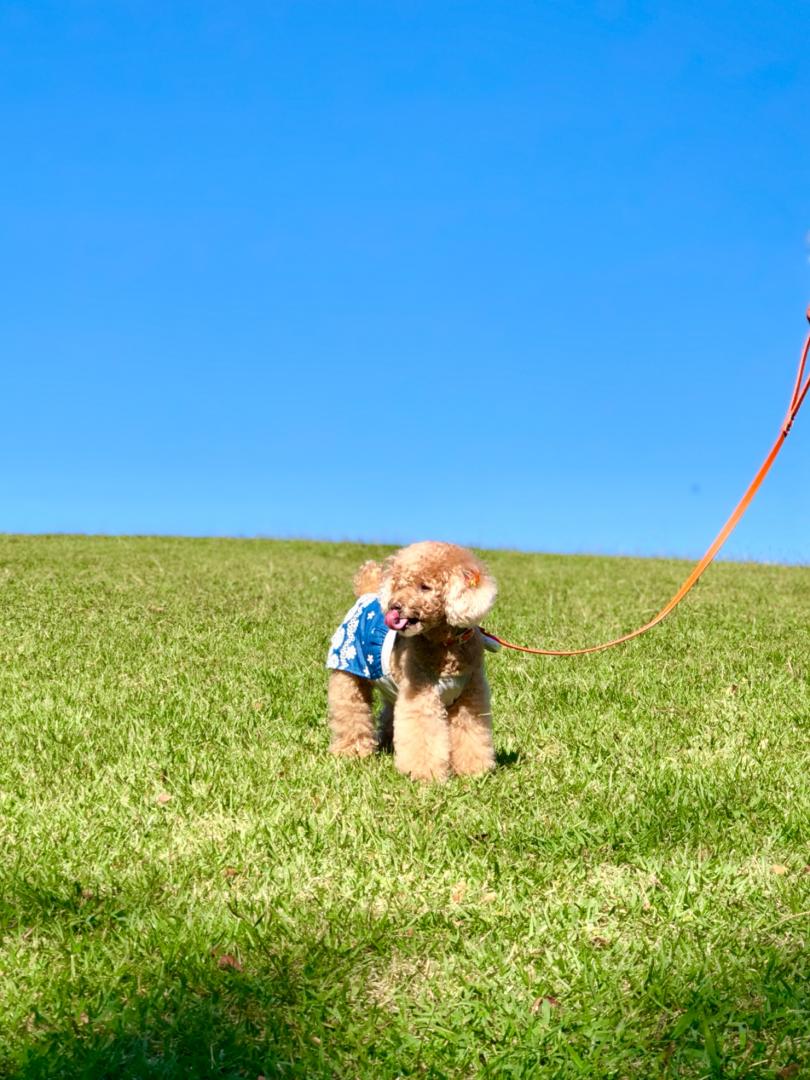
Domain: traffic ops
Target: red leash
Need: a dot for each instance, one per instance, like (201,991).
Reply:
(799,394)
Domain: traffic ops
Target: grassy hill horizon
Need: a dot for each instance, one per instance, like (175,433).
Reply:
(192,886)
(392,545)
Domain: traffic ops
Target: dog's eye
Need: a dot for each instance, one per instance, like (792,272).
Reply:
(425,588)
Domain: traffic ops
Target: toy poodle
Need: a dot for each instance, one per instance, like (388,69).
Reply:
(413,634)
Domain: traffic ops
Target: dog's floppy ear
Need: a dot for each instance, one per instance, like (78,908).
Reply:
(470,595)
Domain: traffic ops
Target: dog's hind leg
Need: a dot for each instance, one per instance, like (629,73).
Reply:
(470,720)
(350,715)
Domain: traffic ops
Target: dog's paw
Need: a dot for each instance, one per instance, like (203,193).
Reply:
(426,771)
(479,769)
(357,748)
(474,761)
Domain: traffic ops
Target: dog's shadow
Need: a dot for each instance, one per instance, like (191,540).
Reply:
(505,759)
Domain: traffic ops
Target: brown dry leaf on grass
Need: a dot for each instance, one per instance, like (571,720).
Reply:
(163,798)
(227,962)
(788,1071)
(537,1004)
(458,891)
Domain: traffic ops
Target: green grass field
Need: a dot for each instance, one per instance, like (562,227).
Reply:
(192,886)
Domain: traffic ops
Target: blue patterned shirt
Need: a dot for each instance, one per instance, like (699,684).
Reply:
(357,644)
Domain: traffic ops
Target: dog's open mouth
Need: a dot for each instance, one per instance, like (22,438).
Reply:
(395,620)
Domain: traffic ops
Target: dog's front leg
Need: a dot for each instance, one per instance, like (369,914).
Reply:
(421,736)
(350,715)
(470,720)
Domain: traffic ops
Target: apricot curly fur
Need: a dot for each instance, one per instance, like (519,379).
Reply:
(368,578)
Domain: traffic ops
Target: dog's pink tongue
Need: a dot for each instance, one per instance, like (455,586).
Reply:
(394,620)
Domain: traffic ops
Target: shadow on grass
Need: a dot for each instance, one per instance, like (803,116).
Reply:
(207,1030)
(294,1023)
(504,759)
(269,1007)
(319,1006)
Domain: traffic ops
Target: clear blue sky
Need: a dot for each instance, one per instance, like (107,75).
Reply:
(514,274)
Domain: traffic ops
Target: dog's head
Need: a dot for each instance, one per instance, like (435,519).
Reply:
(430,584)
